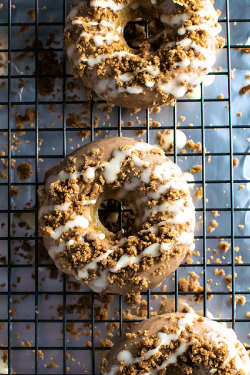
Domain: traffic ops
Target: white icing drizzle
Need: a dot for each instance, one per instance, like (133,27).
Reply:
(153,70)
(126,77)
(168,139)
(99,40)
(93,236)
(172,358)
(92,60)
(125,260)
(44,209)
(107,4)
(134,90)
(83,273)
(79,221)
(3,365)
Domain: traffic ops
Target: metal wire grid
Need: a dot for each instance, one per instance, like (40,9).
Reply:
(232,209)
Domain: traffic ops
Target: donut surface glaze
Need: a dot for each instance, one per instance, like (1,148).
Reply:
(180,50)
(144,179)
(178,343)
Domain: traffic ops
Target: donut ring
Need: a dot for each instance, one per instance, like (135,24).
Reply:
(181,48)
(178,343)
(149,183)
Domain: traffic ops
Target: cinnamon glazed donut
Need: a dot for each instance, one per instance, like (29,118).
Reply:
(177,343)
(143,178)
(129,67)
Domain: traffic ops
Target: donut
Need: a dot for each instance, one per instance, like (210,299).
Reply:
(177,343)
(181,48)
(146,181)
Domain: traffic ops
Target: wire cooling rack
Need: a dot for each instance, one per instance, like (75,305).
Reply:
(37,339)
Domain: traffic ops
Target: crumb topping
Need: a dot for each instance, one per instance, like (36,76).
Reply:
(181,343)
(105,47)
(141,177)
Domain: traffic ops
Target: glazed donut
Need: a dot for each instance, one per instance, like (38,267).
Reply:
(178,343)
(142,177)
(181,48)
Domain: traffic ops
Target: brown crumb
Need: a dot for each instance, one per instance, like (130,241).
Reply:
(244,90)
(218,272)
(210,229)
(3,175)
(245,50)
(215,213)
(14,190)
(239,299)
(191,146)
(238,260)
(196,169)
(40,354)
(24,170)
(32,14)
(199,193)
(235,162)
(51,365)
(225,246)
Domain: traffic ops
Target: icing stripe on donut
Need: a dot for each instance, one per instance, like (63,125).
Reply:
(165,339)
(195,329)
(107,4)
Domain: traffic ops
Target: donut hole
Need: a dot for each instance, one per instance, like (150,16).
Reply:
(116,216)
(145,34)
(135,33)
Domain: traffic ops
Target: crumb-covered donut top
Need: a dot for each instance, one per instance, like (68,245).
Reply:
(181,344)
(183,38)
(150,184)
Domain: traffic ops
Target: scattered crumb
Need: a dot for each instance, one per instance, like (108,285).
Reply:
(238,260)
(239,299)
(245,50)
(235,162)
(199,193)
(220,96)
(225,246)
(191,146)
(196,169)
(244,90)
(210,229)
(51,365)
(215,213)
(24,170)
(3,175)
(32,14)
(218,272)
